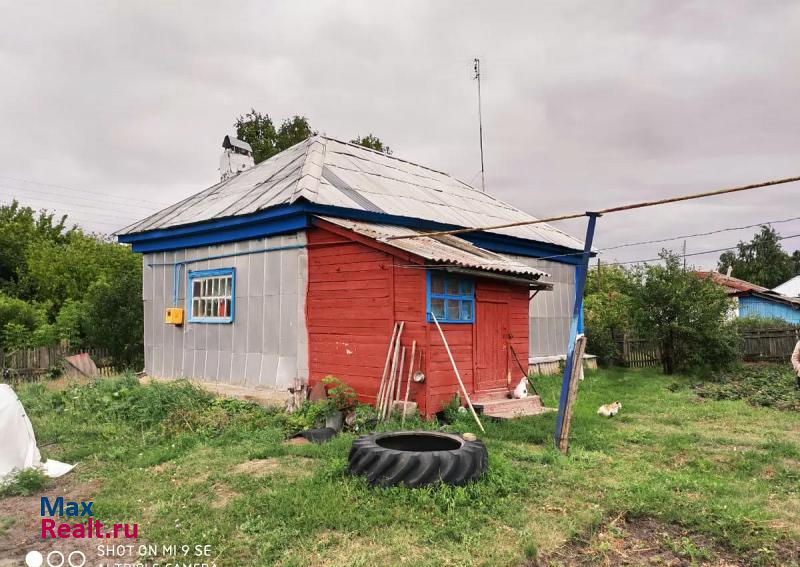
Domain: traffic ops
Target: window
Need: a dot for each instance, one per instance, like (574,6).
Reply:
(211,296)
(451,298)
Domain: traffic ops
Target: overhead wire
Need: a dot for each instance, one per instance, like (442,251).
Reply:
(158,204)
(688,255)
(70,207)
(615,209)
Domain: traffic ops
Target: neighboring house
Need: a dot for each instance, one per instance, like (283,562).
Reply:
(789,288)
(287,272)
(756,301)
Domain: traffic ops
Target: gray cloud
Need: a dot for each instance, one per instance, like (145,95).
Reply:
(586,104)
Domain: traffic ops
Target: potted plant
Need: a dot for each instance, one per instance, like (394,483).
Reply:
(342,399)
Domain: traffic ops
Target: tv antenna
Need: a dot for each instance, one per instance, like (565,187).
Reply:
(477,77)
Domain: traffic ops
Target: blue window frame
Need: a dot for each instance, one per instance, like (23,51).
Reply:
(212,295)
(450,297)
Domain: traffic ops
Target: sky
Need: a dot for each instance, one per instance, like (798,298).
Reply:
(112,110)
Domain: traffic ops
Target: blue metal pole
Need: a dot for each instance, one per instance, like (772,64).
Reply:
(577,311)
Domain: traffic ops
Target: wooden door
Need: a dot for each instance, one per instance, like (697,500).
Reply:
(491,346)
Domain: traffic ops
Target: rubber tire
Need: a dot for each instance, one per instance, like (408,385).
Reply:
(392,467)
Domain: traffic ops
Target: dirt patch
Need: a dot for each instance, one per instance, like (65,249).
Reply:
(21,523)
(223,494)
(645,541)
(292,467)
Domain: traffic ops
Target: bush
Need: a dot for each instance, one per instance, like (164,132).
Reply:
(342,396)
(767,385)
(24,483)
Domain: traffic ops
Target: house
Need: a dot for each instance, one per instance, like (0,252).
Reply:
(790,288)
(757,301)
(289,271)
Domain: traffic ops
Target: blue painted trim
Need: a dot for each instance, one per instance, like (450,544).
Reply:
(177,266)
(208,226)
(460,297)
(577,298)
(580,283)
(289,218)
(267,228)
(192,275)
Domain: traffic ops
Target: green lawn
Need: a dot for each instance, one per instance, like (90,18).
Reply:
(723,471)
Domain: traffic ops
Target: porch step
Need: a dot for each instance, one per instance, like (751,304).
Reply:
(504,408)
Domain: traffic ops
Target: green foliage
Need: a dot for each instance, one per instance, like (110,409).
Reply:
(13,310)
(259,131)
(700,464)
(306,416)
(67,285)
(292,131)
(342,396)
(365,419)
(24,483)
(14,337)
(72,322)
(761,385)
(372,142)
(607,310)
(761,261)
(452,410)
(20,229)
(754,323)
(685,314)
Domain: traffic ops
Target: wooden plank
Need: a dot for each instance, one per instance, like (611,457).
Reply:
(574,379)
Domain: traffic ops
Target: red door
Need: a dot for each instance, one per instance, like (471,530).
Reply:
(491,340)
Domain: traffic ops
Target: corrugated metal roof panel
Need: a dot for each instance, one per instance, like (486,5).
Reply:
(373,181)
(448,249)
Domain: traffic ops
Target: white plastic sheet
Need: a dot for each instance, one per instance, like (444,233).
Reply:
(19,450)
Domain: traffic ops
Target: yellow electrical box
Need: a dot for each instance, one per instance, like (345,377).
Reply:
(174,316)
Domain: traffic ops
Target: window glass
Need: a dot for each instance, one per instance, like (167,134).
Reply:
(453,309)
(437,308)
(451,297)
(212,297)
(437,283)
(466,311)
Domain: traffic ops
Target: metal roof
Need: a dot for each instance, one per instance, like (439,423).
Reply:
(789,288)
(325,171)
(735,286)
(446,250)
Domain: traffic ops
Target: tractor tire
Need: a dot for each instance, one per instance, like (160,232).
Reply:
(417,458)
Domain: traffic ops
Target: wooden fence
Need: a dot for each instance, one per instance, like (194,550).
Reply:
(758,345)
(769,345)
(36,362)
(639,353)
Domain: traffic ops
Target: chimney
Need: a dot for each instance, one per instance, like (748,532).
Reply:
(236,157)
(730,269)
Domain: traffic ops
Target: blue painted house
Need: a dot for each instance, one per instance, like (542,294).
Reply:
(756,301)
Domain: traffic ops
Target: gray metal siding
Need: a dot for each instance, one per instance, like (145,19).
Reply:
(551,311)
(265,346)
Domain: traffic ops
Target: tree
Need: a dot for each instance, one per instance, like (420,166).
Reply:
(20,229)
(685,314)
(293,131)
(761,261)
(607,308)
(373,143)
(259,131)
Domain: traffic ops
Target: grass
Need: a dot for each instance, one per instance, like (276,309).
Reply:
(170,458)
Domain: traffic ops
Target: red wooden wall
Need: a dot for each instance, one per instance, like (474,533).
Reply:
(358,288)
